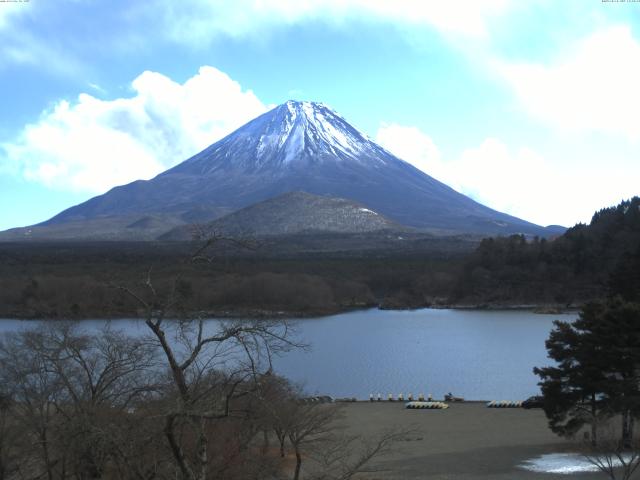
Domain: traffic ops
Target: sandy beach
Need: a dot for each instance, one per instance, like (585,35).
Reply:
(466,441)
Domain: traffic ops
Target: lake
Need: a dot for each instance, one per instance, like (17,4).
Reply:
(479,355)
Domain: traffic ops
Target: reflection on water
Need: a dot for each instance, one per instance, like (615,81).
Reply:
(482,355)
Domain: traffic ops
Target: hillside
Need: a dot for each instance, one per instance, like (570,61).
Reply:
(294,213)
(584,263)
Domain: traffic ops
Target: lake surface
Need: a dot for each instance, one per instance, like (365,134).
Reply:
(479,355)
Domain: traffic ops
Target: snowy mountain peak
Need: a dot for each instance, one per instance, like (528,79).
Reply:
(305,106)
(296,146)
(295,134)
(312,128)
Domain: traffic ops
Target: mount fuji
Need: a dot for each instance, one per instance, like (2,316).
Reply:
(295,147)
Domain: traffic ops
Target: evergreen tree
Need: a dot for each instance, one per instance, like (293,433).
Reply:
(573,268)
(598,369)
(617,329)
(573,390)
(625,278)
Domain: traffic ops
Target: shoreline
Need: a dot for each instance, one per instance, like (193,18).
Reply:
(264,314)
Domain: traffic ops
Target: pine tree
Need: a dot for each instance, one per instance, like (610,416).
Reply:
(598,369)
(617,329)
(625,278)
(573,390)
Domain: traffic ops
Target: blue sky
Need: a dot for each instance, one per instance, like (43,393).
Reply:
(530,107)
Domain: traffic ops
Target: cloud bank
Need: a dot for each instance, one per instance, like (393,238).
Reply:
(92,144)
(517,181)
(592,86)
(204,20)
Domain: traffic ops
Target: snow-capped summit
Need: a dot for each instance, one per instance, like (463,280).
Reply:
(296,146)
(292,135)
(309,128)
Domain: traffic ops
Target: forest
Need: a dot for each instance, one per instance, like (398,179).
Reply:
(295,277)
(585,263)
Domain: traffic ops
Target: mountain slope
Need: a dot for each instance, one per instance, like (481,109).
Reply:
(297,146)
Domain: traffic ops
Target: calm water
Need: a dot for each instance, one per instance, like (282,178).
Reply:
(475,354)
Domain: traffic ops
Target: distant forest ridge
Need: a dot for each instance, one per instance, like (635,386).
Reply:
(299,276)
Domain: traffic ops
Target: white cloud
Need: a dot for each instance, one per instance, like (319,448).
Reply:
(23,44)
(593,87)
(141,25)
(9,11)
(490,173)
(204,20)
(20,47)
(411,145)
(519,182)
(92,144)
(466,17)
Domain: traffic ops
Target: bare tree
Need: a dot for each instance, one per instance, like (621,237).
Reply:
(101,375)
(278,407)
(137,447)
(342,456)
(614,456)
(72,391)
(8,438)
(212,366)
(314,430)
(34,391)
(308,425)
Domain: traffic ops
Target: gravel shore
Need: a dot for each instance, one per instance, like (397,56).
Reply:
(467,441)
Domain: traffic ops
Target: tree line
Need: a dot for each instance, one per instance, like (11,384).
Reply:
(586,262)
(54,281)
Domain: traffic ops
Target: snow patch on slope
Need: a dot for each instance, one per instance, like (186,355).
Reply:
(307,128)
(334,136)
(366,210)
(295,144)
